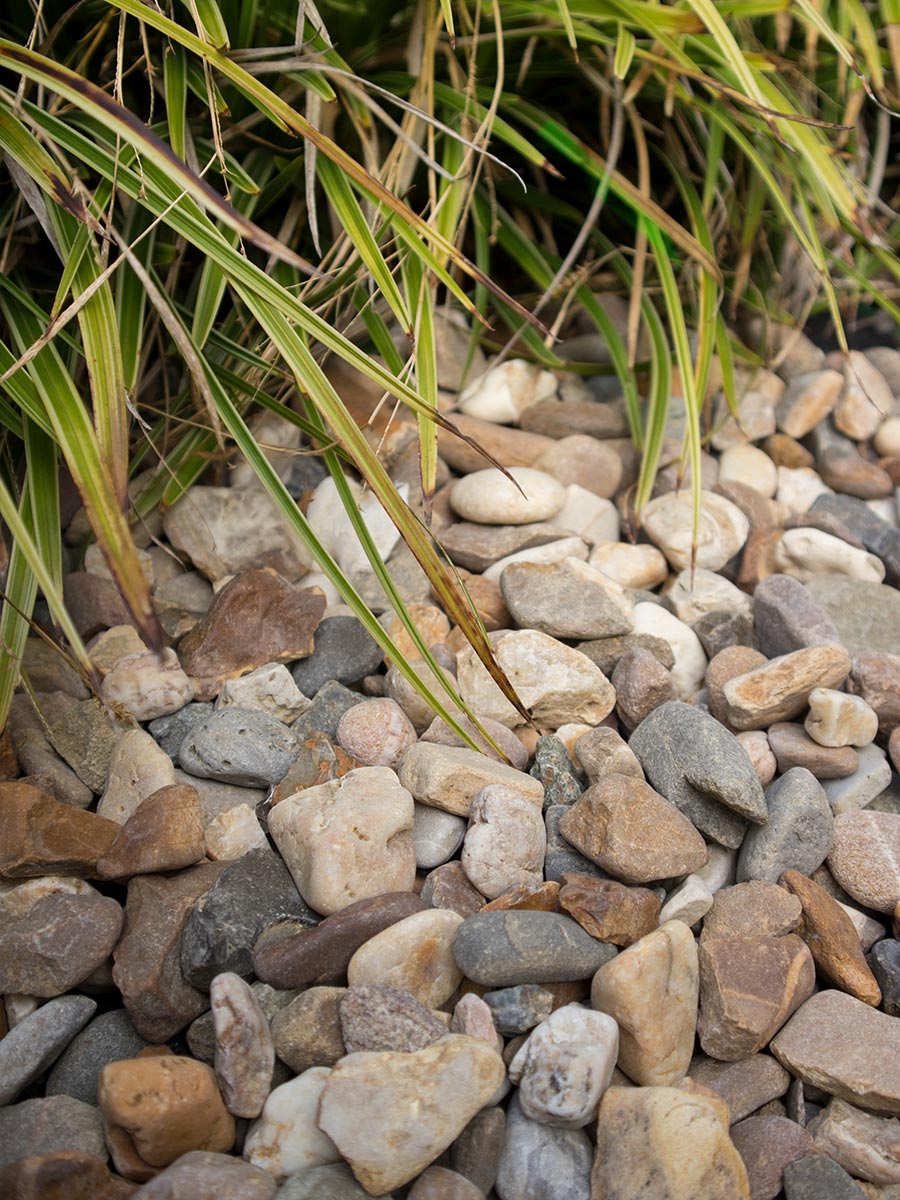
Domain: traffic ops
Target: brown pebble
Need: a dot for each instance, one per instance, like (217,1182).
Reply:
(786,451)
(728,664)
(642,683)
(542,897)
(165,833)
(876,677)
(793,747)
(758,560)
(448,886)
(767,1144)
(745,1085)
(752,909)
(65,1175)
(609,911)
(43,837)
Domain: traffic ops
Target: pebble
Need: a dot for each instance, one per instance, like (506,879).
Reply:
(886,969)
(347,840)
(36,1129)
(493,498)
(58,942)
(476,1152)
(799,488)
(107,1038)
(609,911)
(270,689)
(414,955)
(542,1162)
(438,1183)
(832,939)
(863,1069)
(476,547)
(377,1017)
(518,1009)
(225,923)
(767,1144)
(556,683)
(881,537)
(866,398)
(441,733)
(436,835)
(286,1138)
(804,553)
(330,520)
(756,744)
(630,566)
(670,1142)
(170,731)
(334,1181)
(866,1145)
(871,777)
(688,902)
(702,768)
(503,392)
(450,777)
(749,465)
(158,1108)
(503,949)
(423,1102)
(818,1177)
(554,768)
(307,1031)
(565,1066)
(867,615)
(146,685)
(758,393)
(566,599)
(745,1085)
(239,745)
(689,658)
(84,1177)
(85,738)
(42,836)
(602,752)
(505,843)
(344,652)
(865,858)
(572,546)
(651,991)
(245,1053)
(807,400)
(642,684)
(632,832)
(233,833)
(138,767)
(376,733)
(164,833)
(324,951)
(780,690)
(723,529)
(788,617)
(798,835)
(205,1175)
(38,1040)
(793,747)
(876,677)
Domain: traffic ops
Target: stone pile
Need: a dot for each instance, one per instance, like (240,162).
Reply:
(269,927)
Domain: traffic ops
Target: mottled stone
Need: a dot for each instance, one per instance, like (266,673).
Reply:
(780,689)
(554,770)
(108,1038)
(378,1017)
(862,1143)
(376,733)
(767,1144)
(245,1053)
(286,1139)
(75,1174)
(865,858)
(505,843)
(566,599)
(608,910)
(414,955)
(239,745)
(798,835)
(57,943)
(38,1040)
(723,529)
(270,688)
(602,752)
(745,1085)
(502,949)
(138,767)
(147,685)
(307,1030)
(876,678)
(515,1010)
(542,1162)
(43,837)
(651,990)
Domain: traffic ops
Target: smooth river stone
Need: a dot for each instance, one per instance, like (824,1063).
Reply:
(665,1143)
(565,1066)
(837,1043)
(566,599)
(542,1162)
(415,955)
(505,843)
(491,498)
(245,1053)
(239,745)
(502,949)
(286,1138)
(722,532)
(324,952)
(651,989)
(347,840)
(780,690)
(632,832)
(798,835)
(449,777)
(37,1041)
(417,1105)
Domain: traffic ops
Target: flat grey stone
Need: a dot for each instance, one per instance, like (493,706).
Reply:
(108,1038)
(867,615)
(476,547)
(868,781)
(877,535)
(239,745)
(505,948)
(818,1177)
(699,766)
(542,1162)
(344,651)
(798,835)
(517,1009)
(32,1045)
(49,1125)
(787,617)
(436,835)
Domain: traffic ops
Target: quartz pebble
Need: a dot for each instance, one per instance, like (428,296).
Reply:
(286,1138)
(836,719)
(245,1054)
(540,1160)
(505,843)
(492,498)
(414,955)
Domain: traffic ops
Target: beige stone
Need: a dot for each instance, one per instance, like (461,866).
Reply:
(809,399)
(805,553)
(630,566)
(751,466)
(722,532)
(780,689)
(245,1053)
(414,955)
(865,857)
(865,1145)
(450,777)
(836,719)
(138,768)
(651,989)
(865,401)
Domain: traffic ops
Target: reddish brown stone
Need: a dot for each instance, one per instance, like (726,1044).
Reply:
(43,837)
(324,951)
(319,761)
(165,833)
(542,897)
(448,886)
(853,475)
(65,1175)
(94,603)
(786,451)
(758,559)
(57,943)
(642,683)
(760,511)
(832,939)
(752,909)
(728,664)
(793,747)
(609,910)
(9,764)
(768,1144)
(257,618)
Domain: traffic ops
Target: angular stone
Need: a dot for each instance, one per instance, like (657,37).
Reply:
(502,949)
(787,617)
(37,1041)
(715,787)
(767,1144)
(347,840)
(798,835)
(554,769)
(80,1175)
(651,990)
(147,968)
(147,685)
(206,1175)
(865,858)
(233,833)
(818,1177)
(414,955)
(43,837)
(745,1085)
(377,1017)
(836,719)
(567,599)
(57,943)
(642,684)
(165,833)
(475,547)
(542,1160)
(542,898)
(753,909)
(344,651)
(270,688)
(602,752)
(863,1069)
(689,902)
(832,939)
(876,677)
(629,830)
(505,843)
(780,690)
(670,1143)
(518,1009)
(307,1030)
(425,1100)
(449,777)
(609,911)
(864,1144)
(285,1139)
(324,951)
(793,747)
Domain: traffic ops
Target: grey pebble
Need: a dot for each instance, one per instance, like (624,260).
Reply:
(868,781)
(867,615)
(203,1173)
(517,1009)
(48,1125)
(239,745)
(818,1177)
(436,835)
(502,949)
(333,1182)
(788,617)
(798,835)
(553,768)
(171,730)
(542,1162)
(344,651)
(721,628)
(885,964)
(32,1045)
(108,1038)
(560,855)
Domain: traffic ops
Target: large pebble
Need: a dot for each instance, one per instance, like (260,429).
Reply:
(147,685)
(651,990)
(862,1143)
(722,532)
(419,1104)
(270,688)
(307,1030)
(57,943)
(42,1131)
(502,949)
(867,615)
(804,553)
(492,498)
(798,834)
(768,1143)
(107,1038)
(689,666)
(745,1085)
(414,955)
(286,1138)
(809,399)
(379,1017)
(836,719)
(608,910)
(165,833)
(138,768)
(450,777)
(239,745)
(865,858)
(818,1177)
(504,392)
(344,651)
(376,733)
(505,843)
(202,1174)
(37,1041)
(567,599)
(542,1162)
(436,835)
(787,617)
(245,1053)
(780,689)
(41,836)
(348,839)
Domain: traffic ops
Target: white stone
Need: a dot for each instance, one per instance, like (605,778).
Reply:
(565,1066)
(270,689)
(569,734)
(798,487)
(550,552)
(506,841)
(436,835)
(866,400)
(19,1006)
(689,669)
(17,896)
(757,395)
(450,777)
(286,1138)
(750,466)
(722,532)
(333,598)
(504,392)
(720,868)
(836,719)
(348,839)
(148,686)
(887,439)
(245,1052)
(492,498)
(689,902)
(760,754)
(869,780)
(137,769)
(630,566)
(233,833)
(588,515)
(805,553)
(414,955)
(556,683)
(329,520)
(693,596)
(886,508)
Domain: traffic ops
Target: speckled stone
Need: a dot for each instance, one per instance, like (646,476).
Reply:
(798,835)
(378,1017)
(239,745)
(108,1038)
(502,949)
